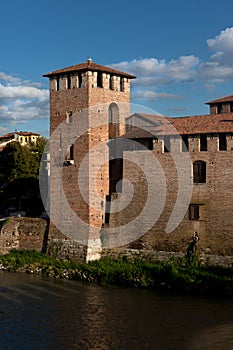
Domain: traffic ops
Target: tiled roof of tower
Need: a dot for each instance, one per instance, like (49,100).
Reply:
(89,66)
(223,99)
(201,124)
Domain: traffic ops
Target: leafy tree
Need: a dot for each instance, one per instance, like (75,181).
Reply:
(19,176)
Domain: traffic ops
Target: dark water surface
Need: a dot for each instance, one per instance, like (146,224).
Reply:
(39,313)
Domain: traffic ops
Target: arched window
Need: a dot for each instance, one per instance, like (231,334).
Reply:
(199,172)
(113,121)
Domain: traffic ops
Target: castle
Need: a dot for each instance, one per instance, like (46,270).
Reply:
(179,169)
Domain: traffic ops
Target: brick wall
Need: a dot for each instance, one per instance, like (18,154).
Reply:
(77,100)
(215,224)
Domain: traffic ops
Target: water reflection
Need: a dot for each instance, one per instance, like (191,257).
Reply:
(38,313)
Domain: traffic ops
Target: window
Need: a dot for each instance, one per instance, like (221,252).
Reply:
(68,81)
(185,143)
(111,85)
(203,142)
(194,212)
(70,117)
(222,142)
(113,121)
(72,152)
(80,81)
(219,109)
(199,172)
(121,85)
(69,159)
(167,144)
(58,83)
(231,107)
(99,80)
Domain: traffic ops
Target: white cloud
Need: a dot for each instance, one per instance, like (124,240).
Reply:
(153,73)
(9,78)
(222,43)
(153,96)
(152,70)
(220,66)
(21,101)
(28,92)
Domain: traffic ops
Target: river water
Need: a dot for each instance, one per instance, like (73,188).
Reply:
(40,313)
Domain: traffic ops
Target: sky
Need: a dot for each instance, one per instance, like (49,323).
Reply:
(180,50)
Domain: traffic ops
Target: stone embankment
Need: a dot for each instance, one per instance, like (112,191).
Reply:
(32,233)
(23,233)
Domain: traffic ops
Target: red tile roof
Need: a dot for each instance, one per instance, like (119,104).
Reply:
(27,133)
(20,133)
(89,66)
(201,124)
(223,99)
(211,123)
(7,136)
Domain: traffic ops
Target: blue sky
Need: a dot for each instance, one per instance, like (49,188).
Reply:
(181,52)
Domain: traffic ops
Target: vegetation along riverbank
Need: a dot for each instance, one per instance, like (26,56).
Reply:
(177,275)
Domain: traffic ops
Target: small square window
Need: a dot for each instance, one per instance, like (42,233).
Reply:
(194,212)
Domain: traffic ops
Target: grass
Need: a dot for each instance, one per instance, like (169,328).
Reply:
(177,275)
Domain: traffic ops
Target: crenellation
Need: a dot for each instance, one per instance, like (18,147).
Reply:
(74,81)
(63,82)
(194,143)
(53,84)
(213,143)
(229,142)
(158,146)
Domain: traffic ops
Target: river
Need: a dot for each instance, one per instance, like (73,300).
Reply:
(38,313)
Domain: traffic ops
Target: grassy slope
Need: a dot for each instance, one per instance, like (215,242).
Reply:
(176,275)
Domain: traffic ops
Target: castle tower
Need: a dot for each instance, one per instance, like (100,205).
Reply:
(88,106)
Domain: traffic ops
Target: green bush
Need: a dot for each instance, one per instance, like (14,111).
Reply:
(175,275)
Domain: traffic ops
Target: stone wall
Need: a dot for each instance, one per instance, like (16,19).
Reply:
(153,256)
(23,233)
(32,233)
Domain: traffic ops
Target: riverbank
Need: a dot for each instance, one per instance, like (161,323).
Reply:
(177,275)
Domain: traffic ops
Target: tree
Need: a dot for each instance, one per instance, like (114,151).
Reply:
(19,176)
